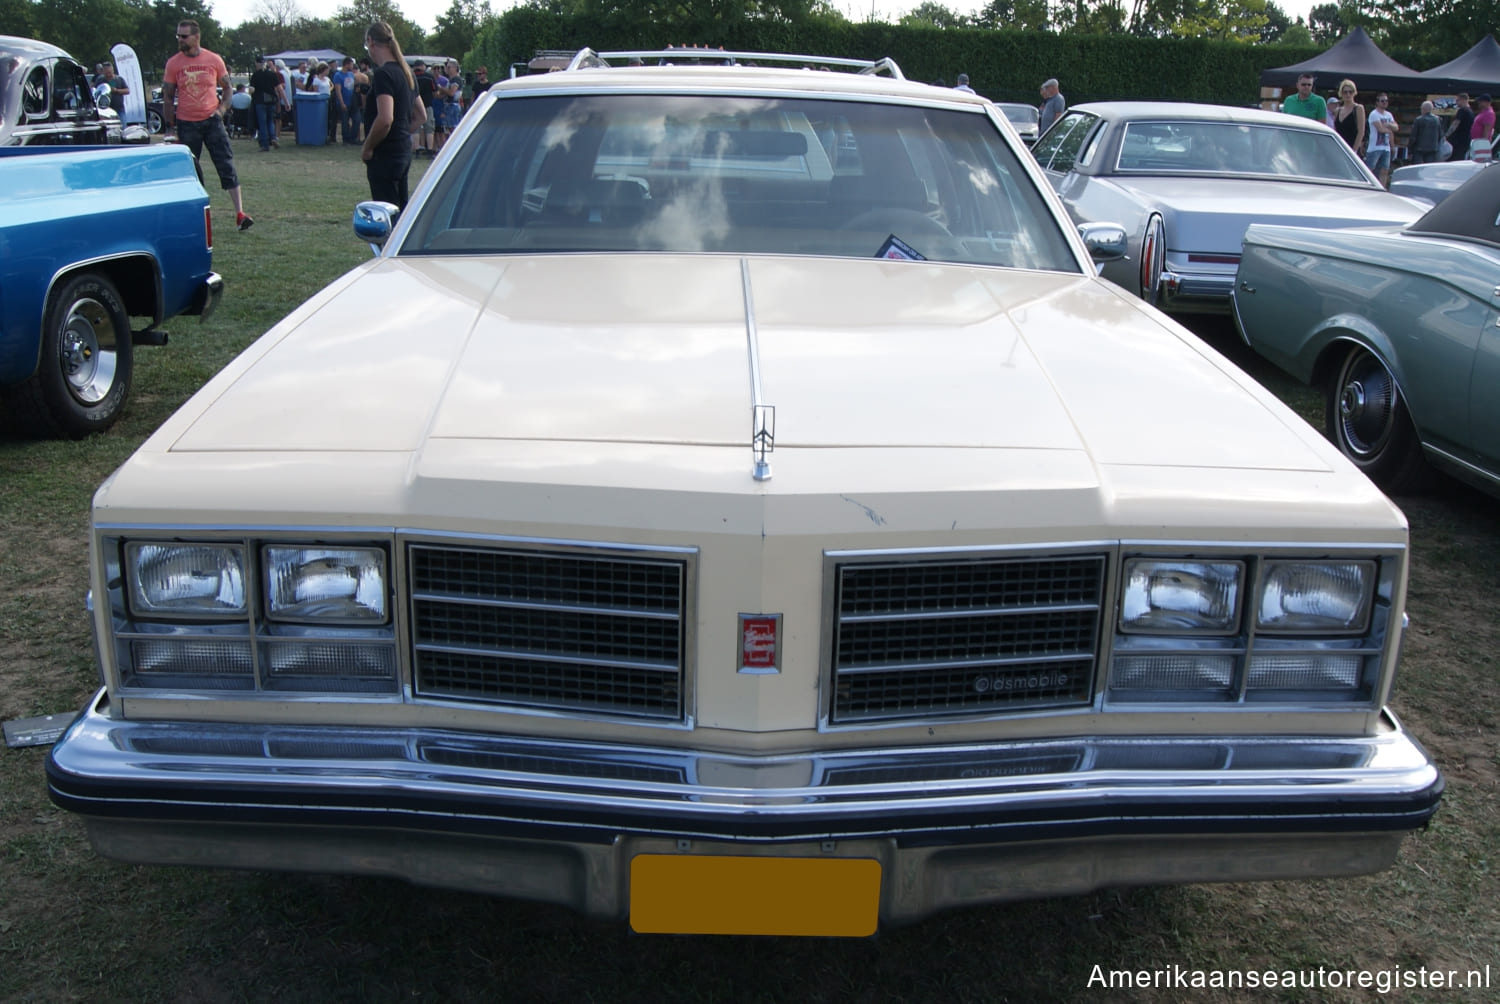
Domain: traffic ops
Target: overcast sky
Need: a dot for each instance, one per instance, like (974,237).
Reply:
(232,13)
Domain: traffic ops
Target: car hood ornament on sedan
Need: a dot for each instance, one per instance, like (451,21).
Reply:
(763,439)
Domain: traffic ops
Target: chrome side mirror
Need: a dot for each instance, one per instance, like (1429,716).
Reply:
(373,222)
(1105,241)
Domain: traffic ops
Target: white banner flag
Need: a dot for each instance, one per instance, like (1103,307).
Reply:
(129,67)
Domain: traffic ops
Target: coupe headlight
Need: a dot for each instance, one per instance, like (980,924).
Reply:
(186,580)
(326,584)
(1174,595)
(1304,597)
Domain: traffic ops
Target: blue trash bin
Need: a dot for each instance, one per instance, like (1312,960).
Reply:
(312,119)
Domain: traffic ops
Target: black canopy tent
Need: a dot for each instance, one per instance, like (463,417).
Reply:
(1356,57)
(1476,71)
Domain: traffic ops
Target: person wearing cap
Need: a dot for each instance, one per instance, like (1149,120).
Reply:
(266,94)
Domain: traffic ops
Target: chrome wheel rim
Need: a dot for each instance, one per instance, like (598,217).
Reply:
(89,351)
(1367,406)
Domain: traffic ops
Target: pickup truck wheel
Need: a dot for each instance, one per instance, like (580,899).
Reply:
(1368,421)
(83,376)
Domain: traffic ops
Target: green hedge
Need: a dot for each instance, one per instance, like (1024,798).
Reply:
(1002,65)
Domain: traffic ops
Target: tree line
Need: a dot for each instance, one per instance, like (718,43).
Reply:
(1419,33)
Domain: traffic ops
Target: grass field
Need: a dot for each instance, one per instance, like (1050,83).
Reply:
(76,927)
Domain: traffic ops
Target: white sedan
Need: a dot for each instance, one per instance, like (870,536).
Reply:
(730,502)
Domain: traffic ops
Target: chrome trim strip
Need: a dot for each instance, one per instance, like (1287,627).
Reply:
(1468,469)
(997,661)
(513,653)
(563,608)
(958,614)
(762,415)
(861,789)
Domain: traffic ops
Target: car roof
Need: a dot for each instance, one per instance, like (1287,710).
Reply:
(29,48)
(1126,111)
(1471,213)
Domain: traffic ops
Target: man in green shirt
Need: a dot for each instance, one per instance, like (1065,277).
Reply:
(1305,102)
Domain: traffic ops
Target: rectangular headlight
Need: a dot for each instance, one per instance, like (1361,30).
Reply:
(326,585)
(1178,596)
(1315,597)
(186,580)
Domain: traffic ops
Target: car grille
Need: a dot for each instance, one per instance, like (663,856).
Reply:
(579,632)
(963,636)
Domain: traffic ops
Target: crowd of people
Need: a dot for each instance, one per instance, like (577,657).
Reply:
(391,111)
(1371,133)
(269,107)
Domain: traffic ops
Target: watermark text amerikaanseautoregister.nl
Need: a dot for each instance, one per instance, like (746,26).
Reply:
(1323,978)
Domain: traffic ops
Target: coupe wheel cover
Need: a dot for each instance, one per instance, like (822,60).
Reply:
(1367,406)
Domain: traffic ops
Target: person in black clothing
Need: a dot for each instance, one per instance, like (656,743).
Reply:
(267,92)
(390,111)
(425,88)
(1458,130)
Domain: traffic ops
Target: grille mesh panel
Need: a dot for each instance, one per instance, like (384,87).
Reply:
(965,636)
(549,630)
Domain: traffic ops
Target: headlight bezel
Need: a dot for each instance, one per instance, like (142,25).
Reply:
(1266,657)
(254,649)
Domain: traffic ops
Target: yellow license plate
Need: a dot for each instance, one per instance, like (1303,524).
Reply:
(703,894)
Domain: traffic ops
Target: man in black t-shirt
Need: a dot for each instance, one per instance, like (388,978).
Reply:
(267,92)
(1458,131)
(388,111)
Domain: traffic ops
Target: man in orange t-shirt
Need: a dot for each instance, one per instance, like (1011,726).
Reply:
(199,82)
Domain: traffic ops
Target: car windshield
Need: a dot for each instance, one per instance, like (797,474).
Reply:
(1228,147)
(1021,114)
(739,174)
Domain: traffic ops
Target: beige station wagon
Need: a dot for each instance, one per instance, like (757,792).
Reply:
(730,501)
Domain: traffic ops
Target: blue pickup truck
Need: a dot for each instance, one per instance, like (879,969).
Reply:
(89,239)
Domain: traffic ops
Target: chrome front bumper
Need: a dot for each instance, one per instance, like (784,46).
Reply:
(561,822)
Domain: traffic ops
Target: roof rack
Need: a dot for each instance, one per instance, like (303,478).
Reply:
(589,59)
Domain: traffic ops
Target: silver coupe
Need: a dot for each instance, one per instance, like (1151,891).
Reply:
(1185,180)
(1398,325)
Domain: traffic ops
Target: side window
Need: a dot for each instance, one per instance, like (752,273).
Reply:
(1056,139)
(1069,146)
(34,94)
(67,87)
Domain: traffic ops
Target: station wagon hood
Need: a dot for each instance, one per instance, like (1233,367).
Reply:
(1211,214)
(651,349)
